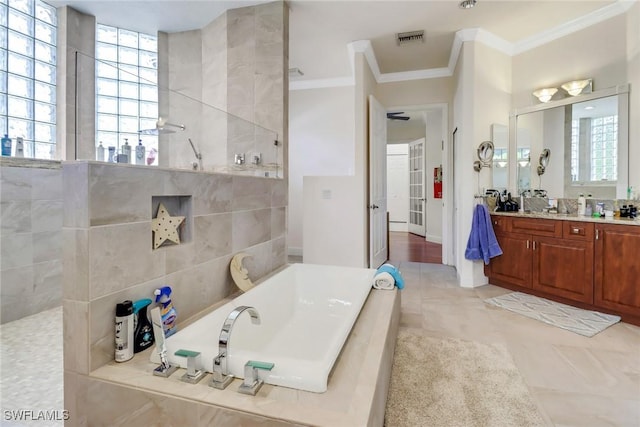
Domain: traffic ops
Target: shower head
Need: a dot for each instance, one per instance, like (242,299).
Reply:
(162,128)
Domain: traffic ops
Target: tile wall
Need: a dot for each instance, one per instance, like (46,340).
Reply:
(108,256)
(31,238)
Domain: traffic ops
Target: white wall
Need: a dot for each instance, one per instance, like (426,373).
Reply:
(398,186)
(433,159)
(321,135)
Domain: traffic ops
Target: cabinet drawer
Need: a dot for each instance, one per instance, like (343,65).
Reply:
(537,227)
(500,224)
(576,230)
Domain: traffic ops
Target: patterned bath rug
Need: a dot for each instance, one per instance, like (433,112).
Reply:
(583,322)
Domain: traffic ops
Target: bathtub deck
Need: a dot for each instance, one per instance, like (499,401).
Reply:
(125,394)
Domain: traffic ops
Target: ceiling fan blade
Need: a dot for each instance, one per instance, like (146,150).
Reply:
(396,116)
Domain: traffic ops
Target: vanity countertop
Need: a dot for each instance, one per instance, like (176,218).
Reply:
(570,217)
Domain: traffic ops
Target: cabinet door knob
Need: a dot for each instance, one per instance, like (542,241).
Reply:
(597,234)
(527,244)
(576,230)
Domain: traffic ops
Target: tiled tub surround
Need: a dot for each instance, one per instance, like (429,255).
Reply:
(31,237)
(128,393)
(107,245)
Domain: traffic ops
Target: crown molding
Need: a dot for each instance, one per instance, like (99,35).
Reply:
(466,35)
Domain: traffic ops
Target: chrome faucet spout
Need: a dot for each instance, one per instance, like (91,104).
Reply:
(220,371)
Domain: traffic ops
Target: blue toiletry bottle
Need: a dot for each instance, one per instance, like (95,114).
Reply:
(167,312)
(6,145)
(143,331)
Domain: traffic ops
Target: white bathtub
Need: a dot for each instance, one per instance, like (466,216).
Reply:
(306,311)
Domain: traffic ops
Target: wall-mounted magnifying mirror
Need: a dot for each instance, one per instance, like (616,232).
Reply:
(543,162)
(485,153)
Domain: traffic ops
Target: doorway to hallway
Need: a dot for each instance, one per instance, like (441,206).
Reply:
(413,248)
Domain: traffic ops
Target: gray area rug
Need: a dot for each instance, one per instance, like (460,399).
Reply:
(583,322)
(455,383)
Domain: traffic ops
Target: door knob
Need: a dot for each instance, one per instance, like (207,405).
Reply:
(374,206)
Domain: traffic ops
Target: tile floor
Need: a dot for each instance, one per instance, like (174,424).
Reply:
(575,381)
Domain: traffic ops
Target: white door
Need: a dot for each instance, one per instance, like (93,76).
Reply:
(377,183)
(417,198)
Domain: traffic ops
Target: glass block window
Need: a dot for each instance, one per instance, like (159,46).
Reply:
(126,89)
(575,149)
(28,75)
(604,148)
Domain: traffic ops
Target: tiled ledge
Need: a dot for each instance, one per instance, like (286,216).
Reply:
(357,391)
(570,217)
(24,162)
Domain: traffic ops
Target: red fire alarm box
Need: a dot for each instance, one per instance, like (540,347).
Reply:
(437,183)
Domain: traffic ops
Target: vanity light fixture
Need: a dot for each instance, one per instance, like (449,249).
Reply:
(576,87)
(467,4)
(545,95)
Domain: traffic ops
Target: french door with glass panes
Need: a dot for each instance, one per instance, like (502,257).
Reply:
(417,198)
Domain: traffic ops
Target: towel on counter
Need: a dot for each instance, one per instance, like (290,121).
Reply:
(482,243)
(388,276)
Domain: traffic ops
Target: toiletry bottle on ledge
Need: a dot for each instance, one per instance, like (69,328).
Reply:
(126,152)
(143,331)
(112,154)
(100,152)
(6,145)
(19,147)
(140,153)
(124,331)
(167,312)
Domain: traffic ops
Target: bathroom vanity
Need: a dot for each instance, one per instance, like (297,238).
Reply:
(586,262)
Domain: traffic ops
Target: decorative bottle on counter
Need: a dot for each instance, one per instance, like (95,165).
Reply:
(140,151)
(6,145)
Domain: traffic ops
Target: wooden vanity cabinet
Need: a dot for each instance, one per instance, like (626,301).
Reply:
(617,268)
(537,256)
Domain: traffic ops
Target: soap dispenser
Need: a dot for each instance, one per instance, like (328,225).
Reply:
(582,205)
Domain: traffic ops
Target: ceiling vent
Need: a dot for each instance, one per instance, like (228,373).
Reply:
(410,37)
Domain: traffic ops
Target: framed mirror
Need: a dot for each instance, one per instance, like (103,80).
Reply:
(500,138)
(588,135)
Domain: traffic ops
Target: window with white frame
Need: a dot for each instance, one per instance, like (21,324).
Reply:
(126,90)
(28,75)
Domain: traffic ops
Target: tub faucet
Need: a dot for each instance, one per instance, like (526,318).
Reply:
(221,378)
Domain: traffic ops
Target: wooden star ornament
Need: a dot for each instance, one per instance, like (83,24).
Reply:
(165,227)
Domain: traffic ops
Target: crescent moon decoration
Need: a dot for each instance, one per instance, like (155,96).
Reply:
(239,274)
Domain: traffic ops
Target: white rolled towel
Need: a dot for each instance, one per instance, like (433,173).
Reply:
(384,280)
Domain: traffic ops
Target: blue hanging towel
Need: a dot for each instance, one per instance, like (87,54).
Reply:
(482,243)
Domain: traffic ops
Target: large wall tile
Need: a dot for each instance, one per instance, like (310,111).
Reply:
(16,216)
(279,193)
(16,250)
(120,193)
(278,222)
(47,215)
(47,246)
(15,183)
(75,319)
(251,193)
(108,404)
(75,262)
(75,179)
(15,292)
(211,193)
(278,252)
(47,184)
(251,228)
(120,256)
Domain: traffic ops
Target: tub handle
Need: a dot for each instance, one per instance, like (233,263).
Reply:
(252,381)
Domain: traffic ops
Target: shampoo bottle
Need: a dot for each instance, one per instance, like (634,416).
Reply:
(6,145)
(143,331)
(124,331)
(126,152)
(100,152)
(140,153)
